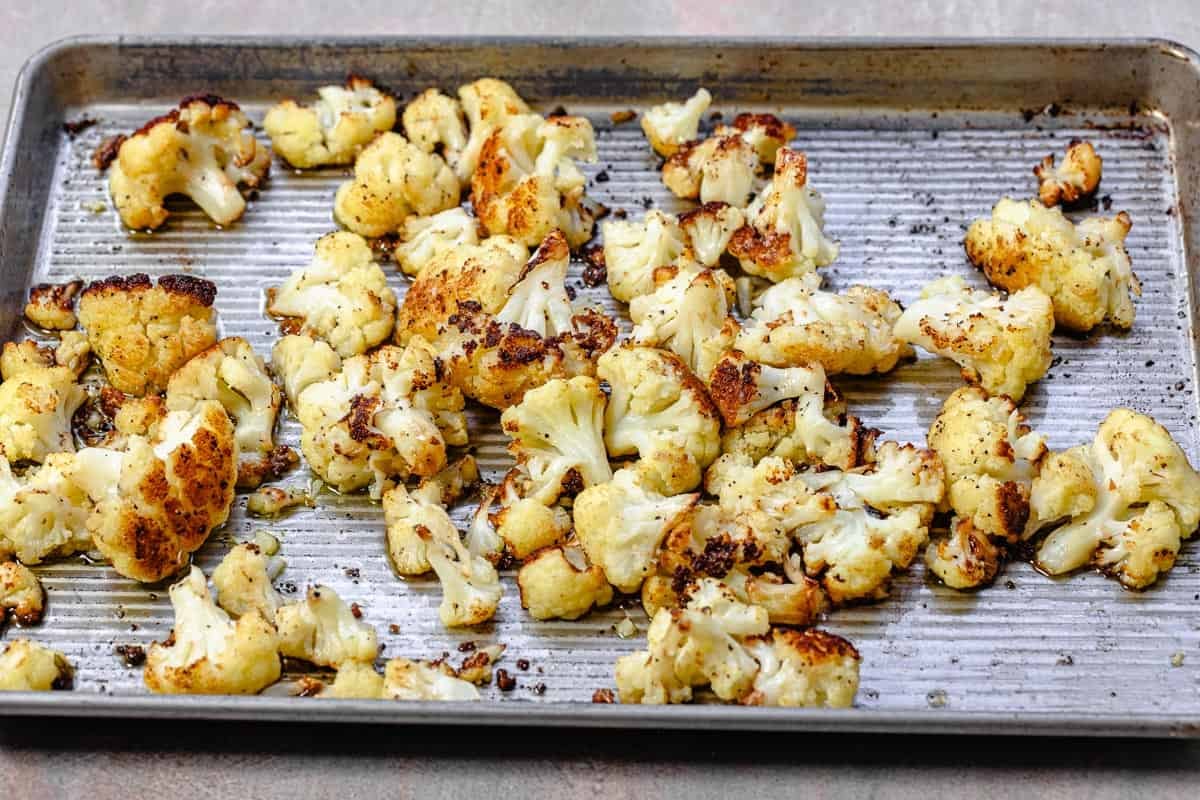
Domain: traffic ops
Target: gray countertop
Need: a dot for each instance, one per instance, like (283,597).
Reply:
(98,759)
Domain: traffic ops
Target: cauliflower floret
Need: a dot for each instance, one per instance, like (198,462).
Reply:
(795,322)
(355,680)
(557,433)
(967,558)
(558,583)
(784,234)
(332,130)
(412,680)
(482,538)
(742,387)
(157,501)
(21,594)
(772,486)
(301,361)
(321,629)
(715,540)
(1077,178)
(207,652)
(658,410)
(708,230)
(201,149)
(766,133)
(43,514)
(342,296)
(393,179)
(525,526)
(672,125)
(621,524)
(487,102)
(18,358)
(634,250)
(538,301)
(1001,343)
(243,582)
(689,315)
(470,584)
(527,183)
(406,514)
(142,333)
(803,669)
(52,305)
(27,666)
(232,374)
(37,405)
(718,169)
(432,121)
(1128,500)
(271,501)
(387,414)
(424,239)
(1084,268)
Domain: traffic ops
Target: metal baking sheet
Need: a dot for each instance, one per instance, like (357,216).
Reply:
(907,141)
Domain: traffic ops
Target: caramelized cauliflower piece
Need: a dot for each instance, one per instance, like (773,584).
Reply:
(404,679)
(470,584)
(1076,178)
(742,387)
(803,669)
(393,179)
(243,582)
(670,126)
(335,128)
(201,149)
(772,487)
(52,305)
(719,169)
(1001,343)
(37,404)
(1084,268)
(143,332)
(766,133)
(300,361)
(688,315)
(432,121)
(21,594)
(321,629)
(27,666)
(784,234)
(488,103)
(634,250)
(408,515)
(538,301)
(43,514)
(207,652)
(558,583)
(1126,501)
(342,296)
(709,230)
(425,239)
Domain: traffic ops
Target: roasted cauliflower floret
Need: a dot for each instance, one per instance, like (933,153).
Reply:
(634,250)
(659,411)
(434,122)
(1001,343)
(1076,178)
(27,666)
(470,584)
(742,387)
(201,149)
(1084,268)
(43,514)
(688,315)
(404,679)
(671,125)
(766,133)
(525,526)
(207,652)
(1126,501)
(795,322)
(21,594)
(709,229)
(332,130)
(388,414)
(300,361)
(719,169)
(487,102)
(424,239)
(784,234)
(243,582)
(803,669)
(407,514)
(772,487)
(142,333)
(621,524)
(52,305)
(966,558)
(538,301)
(71,353)
(527,183)
(393,179)
(342,296)
(37,405)
(559,583)
(321,629)
(557,434)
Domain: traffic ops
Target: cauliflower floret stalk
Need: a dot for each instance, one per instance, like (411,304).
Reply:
(43,514)
(721,168)
(482,538)
(37,404)
(1084,268)
(527,183)
(393,178)
(207,652)
(559,583)
(342,296)
(634,250)
(1001,343)
(557,433)
(882,520)
(424,239)
(142,333)
(1125,502)
(470,584)
(803,669)
(323,630)
(300,361)
(335,128)
(784,234)
(201,149)
(990,457)
(389,414)
(21,594)
(1077,178)
(243,581)
(688,315)
(671,125)
(708,230)
(434,123)
(407,514)
(795,322)
(538,301)
(487,102)
(659,411)
(27,666)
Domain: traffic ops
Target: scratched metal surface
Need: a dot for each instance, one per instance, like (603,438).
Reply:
(901,187)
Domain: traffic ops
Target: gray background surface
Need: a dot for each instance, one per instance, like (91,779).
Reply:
(97,759)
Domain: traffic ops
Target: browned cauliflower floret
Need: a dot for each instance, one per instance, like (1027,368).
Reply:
(721,168)
(689,315)
(52,305)
(335,128)
(37,404)
(487,102)
(323,630)
(709,230)
(670,126)
(406,513)
(634,250)
(1076,178)
(1084,268)
(21,594)
(142,333)
(43,514)
(559,583)
(201,149)
(803,669)
(425,239)
(27,666)
(300,361)
(766,133)
(243,581)
(434,122)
